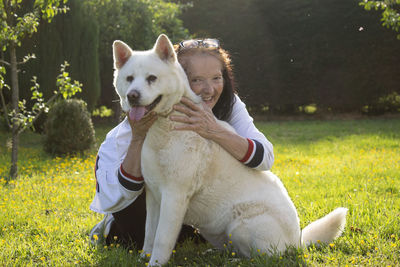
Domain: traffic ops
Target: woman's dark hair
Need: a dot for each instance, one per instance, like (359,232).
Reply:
(223,108)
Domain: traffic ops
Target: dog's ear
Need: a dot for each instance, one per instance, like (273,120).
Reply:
(165,49)
(122,53)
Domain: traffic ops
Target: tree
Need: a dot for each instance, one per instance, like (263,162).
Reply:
(390,12)
(17,23)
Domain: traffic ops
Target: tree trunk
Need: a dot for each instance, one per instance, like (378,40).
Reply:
(15,101)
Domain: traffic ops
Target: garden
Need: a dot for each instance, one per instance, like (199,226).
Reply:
(320,80)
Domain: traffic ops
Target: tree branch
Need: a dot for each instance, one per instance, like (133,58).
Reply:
(51,100)
(47,104)
(5,63)
(26,59)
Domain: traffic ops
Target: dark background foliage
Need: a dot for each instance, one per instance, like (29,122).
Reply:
(84,36)
(286,54)
(73,37)
(292,53)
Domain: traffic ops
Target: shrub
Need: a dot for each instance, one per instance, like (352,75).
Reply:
(308,109)
(69,128)
(385,103)
(391,102)
(102,112)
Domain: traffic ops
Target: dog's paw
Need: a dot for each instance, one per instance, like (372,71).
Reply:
(145,254)
(154,263)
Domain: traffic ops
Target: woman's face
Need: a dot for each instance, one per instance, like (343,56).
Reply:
(205,77)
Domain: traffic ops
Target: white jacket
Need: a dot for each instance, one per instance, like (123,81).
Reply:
(115,191)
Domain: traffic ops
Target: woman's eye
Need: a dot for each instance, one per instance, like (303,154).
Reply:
(196,80)
(129,78)
(218,78)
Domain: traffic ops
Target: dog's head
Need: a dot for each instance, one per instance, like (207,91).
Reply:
(150,80)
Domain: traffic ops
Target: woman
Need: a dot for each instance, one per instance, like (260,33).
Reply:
(209,71)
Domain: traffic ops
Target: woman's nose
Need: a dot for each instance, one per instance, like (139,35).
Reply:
(207,87)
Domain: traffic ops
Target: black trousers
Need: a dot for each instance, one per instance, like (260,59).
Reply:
(129,226)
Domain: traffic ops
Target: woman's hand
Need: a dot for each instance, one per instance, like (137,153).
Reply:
(202,121)
(198,119)
(141,127)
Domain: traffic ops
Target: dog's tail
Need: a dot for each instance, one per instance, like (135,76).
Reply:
(326,229)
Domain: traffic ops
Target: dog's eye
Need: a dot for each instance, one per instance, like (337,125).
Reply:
(130,78)
(151,78)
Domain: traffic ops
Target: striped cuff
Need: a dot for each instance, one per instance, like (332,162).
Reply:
(128,181)
(254,155)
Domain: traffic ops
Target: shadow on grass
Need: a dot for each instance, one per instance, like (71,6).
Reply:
(190,254)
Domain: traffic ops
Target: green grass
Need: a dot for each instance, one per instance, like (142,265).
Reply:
(45,217)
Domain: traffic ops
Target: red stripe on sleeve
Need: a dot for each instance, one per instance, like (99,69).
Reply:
(127,175)
(249,151)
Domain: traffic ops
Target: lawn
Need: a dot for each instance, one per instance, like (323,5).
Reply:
(45,217)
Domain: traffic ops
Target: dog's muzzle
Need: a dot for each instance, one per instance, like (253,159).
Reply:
(133,97)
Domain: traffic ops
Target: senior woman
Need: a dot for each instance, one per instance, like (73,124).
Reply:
(208,68)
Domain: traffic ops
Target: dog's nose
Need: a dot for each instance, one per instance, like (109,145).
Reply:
(133,97)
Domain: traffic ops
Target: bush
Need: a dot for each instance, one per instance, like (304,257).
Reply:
(391,102)
(102,112)
(69,128)
(387,103)
(308,109)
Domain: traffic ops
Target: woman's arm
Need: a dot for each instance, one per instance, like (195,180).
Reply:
(247,144)
(262,156)
(118,185)
(202,121)
(132,161)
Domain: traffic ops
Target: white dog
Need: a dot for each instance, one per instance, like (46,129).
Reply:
(194,181)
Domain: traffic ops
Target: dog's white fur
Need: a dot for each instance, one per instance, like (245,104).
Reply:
(194,181)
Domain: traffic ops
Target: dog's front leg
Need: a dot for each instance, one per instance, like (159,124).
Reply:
(152,217)
(172,212)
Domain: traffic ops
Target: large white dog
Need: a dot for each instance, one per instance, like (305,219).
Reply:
(194,181)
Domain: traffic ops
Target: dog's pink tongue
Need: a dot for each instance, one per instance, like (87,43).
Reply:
(136,113)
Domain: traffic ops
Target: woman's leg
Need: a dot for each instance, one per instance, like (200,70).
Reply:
(129,224)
